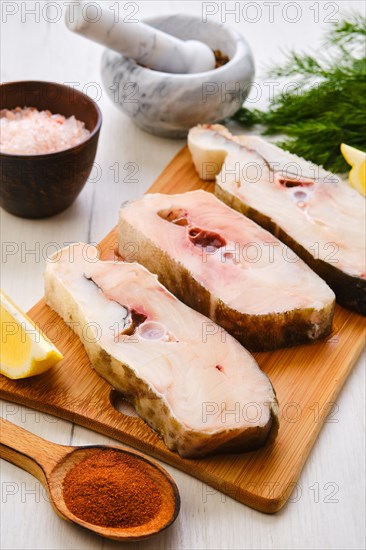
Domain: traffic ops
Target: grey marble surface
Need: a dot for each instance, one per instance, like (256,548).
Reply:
(169,104)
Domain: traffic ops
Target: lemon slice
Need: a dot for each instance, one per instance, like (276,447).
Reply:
(356,159)
(24,349)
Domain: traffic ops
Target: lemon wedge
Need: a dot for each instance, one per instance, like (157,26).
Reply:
(356,159)
(24,349)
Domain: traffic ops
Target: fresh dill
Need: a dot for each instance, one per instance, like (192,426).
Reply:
(328,105)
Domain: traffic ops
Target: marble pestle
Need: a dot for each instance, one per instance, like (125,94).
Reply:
(146,45)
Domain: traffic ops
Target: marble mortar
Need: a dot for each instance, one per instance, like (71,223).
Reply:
(167,104)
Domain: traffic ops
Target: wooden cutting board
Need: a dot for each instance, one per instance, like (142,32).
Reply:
(307,380)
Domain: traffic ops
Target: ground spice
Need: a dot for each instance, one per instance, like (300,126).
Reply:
(111,489)
(220,58)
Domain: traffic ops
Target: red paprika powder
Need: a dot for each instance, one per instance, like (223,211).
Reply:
(111,489)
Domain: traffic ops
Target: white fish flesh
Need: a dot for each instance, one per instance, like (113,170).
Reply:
(228,268)
(313,211)
(187,378)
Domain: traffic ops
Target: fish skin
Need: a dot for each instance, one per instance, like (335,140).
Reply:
(258,318)
(170,379)
(348,281)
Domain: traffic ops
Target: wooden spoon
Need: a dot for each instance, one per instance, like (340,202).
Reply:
(50,463)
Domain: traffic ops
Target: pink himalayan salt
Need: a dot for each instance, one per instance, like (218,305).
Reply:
(31,132)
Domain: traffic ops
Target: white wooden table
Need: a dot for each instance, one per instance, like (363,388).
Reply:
(328,508)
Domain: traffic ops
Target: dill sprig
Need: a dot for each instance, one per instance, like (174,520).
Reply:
(328,106)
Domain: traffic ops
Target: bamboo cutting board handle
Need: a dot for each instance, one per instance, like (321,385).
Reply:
(28,451)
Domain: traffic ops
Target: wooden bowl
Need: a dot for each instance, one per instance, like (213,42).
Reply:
(38,186)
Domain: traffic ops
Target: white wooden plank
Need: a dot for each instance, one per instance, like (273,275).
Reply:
(47,51)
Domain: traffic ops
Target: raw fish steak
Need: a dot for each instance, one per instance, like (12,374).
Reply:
(188,379)
(228,268)
(312,211)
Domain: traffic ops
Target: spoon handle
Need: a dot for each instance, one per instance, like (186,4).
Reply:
(28,451)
